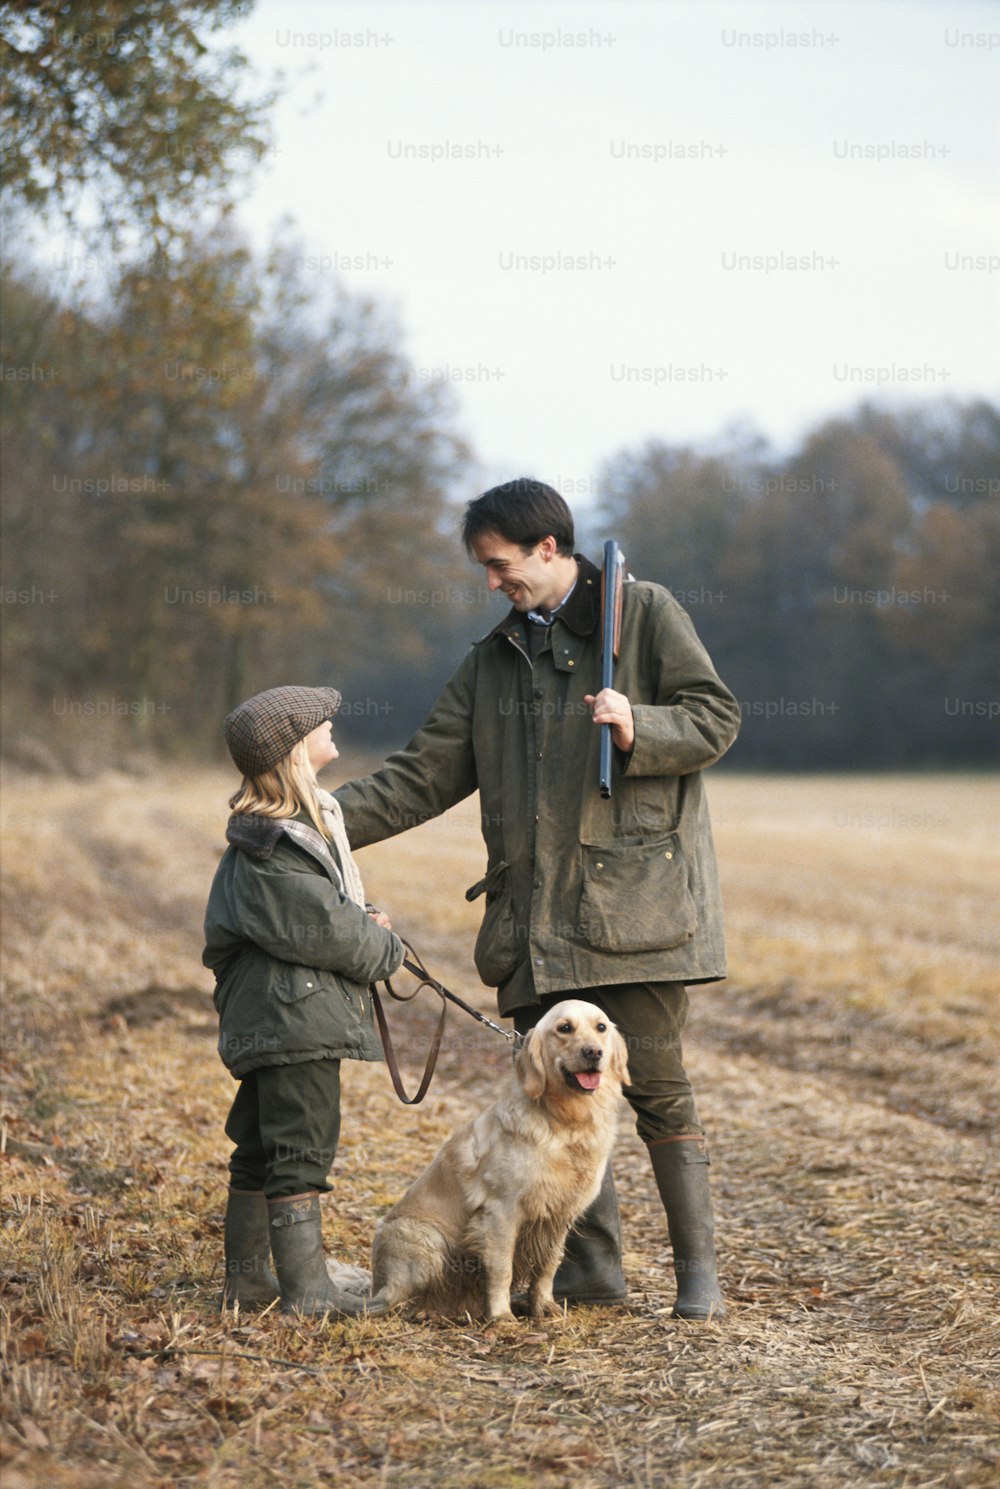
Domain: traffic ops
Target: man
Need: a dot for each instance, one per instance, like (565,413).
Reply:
(616,901)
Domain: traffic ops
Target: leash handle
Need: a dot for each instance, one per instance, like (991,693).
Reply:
(383,1028)
(416,966)
(390,1053)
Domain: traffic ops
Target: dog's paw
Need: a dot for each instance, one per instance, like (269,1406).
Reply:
(546,1308)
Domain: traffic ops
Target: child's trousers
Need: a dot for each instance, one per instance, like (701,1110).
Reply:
(285,1122)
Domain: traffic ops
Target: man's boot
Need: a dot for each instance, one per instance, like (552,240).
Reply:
(300,1261)
(591,1268)
(249,1279)
(681,1169)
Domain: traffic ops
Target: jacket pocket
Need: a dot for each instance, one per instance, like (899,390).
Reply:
(636,896)
(293,983)
(495,953)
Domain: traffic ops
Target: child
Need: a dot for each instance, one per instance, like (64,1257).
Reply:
(293,947)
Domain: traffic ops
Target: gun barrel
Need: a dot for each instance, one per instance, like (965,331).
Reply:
(611,581)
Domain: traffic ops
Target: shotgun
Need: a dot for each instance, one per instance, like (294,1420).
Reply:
(612,576)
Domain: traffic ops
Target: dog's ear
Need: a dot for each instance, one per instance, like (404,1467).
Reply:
(618,1064)
(529,1066)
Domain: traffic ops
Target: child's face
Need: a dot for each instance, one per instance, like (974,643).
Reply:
(320,747)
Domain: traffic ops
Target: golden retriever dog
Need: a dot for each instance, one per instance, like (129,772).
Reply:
(493,1209)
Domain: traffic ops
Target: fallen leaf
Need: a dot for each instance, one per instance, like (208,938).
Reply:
(32,1344)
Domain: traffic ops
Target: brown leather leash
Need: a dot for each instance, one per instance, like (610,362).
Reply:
(414,964)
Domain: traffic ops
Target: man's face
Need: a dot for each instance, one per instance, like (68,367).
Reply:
(525,578)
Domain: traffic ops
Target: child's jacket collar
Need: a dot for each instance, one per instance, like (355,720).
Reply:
(256,836)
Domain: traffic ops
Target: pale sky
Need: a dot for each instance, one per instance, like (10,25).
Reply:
(583,204)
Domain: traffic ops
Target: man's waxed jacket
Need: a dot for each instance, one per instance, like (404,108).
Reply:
(580,891)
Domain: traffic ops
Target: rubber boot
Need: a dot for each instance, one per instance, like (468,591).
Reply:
(249,1279)
(300,1261)
(681,1169)
(591,1268)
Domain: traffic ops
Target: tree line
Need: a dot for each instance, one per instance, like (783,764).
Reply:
(847,590)
(212,484)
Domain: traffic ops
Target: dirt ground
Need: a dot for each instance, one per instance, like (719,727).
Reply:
(846,1074)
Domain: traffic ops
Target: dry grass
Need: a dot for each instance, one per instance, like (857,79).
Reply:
(846,1075)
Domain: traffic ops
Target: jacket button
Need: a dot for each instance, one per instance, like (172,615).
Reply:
(538,755)
(571,663)
(308,984)
(536,693)
(600,865)
(538,883)
(668,855)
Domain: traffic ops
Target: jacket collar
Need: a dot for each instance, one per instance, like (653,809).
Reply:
(581,611)
(256,835)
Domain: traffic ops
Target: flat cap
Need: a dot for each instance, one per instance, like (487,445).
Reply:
(268,726)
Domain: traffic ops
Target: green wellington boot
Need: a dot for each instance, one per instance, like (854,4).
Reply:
(591,1268)
(249,1279)
(300,1261)
(681,1169)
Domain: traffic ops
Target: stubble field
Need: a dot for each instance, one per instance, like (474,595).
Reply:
(846,1074)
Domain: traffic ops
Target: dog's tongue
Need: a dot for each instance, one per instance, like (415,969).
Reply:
(589,1079)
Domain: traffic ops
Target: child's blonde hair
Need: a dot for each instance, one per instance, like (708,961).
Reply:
(283,791)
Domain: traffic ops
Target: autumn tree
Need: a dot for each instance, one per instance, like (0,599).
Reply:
(246,489)
(114,113)
(225,477)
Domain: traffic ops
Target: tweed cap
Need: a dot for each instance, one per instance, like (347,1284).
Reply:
(268,726)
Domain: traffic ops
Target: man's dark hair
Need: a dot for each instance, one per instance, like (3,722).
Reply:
(522,511)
